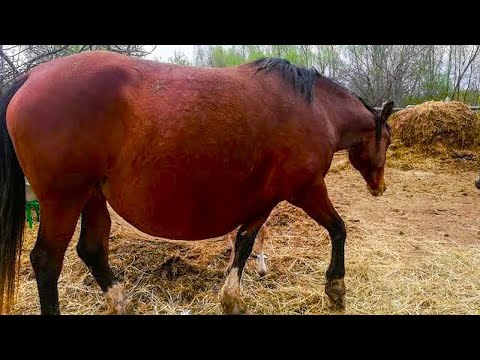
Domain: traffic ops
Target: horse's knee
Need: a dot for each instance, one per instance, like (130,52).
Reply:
(337,230)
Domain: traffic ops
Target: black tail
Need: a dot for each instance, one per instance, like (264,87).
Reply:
(12,206)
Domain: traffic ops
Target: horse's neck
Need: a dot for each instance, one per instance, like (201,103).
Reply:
(348,139)
(351,127)
(349,118)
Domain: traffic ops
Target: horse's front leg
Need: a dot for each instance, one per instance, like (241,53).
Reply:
(315,202)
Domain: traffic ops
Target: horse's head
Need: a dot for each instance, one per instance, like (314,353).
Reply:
(369,156)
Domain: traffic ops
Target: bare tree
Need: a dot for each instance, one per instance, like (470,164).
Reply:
(466,55)
(404,73)
(18,59)
(179,58)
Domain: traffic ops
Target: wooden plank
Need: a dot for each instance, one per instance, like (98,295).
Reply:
(474,108)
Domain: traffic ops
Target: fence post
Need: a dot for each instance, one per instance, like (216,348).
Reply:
(2,68)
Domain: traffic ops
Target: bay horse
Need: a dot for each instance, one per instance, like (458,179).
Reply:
(168,147)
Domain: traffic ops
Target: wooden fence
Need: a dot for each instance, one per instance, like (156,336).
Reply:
(474,108)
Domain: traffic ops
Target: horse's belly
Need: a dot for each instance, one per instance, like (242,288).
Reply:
(181,212)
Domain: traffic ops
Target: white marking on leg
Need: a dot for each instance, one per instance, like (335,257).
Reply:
(230,262)
(232,283)
(261,266)
(118,303)
(230,245)
(230,294)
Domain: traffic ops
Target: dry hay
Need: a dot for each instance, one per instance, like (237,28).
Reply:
(450,125)
(413,251)
(438,160)
(435,135)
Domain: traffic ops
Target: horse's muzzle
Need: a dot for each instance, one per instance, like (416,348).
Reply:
(379,190)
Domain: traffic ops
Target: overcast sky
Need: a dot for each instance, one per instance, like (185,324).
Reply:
(165,51)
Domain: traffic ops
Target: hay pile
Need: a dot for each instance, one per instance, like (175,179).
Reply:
(438,126)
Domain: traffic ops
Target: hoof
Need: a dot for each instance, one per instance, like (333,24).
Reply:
(335,289)
(246,312)
(239,311)
(117,301)
(232,303)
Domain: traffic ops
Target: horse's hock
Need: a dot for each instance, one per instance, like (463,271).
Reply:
(29,194)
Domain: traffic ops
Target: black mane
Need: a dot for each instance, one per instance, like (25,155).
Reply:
(303,81)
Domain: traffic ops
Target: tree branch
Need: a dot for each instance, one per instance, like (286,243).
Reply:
(42,56)
(9,62)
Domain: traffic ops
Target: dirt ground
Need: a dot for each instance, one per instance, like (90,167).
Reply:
(415,250)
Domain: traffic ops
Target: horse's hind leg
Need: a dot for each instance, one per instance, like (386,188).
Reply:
(317,205)
(92,248)
(230,298)
(261,266)
(57,224)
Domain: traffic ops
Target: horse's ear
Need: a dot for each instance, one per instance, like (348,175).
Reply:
(387,109)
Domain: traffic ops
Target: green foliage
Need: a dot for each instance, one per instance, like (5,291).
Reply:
(179,58)
(255,55)
(222,56)
(406,74)
(435,89)
(225,57)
